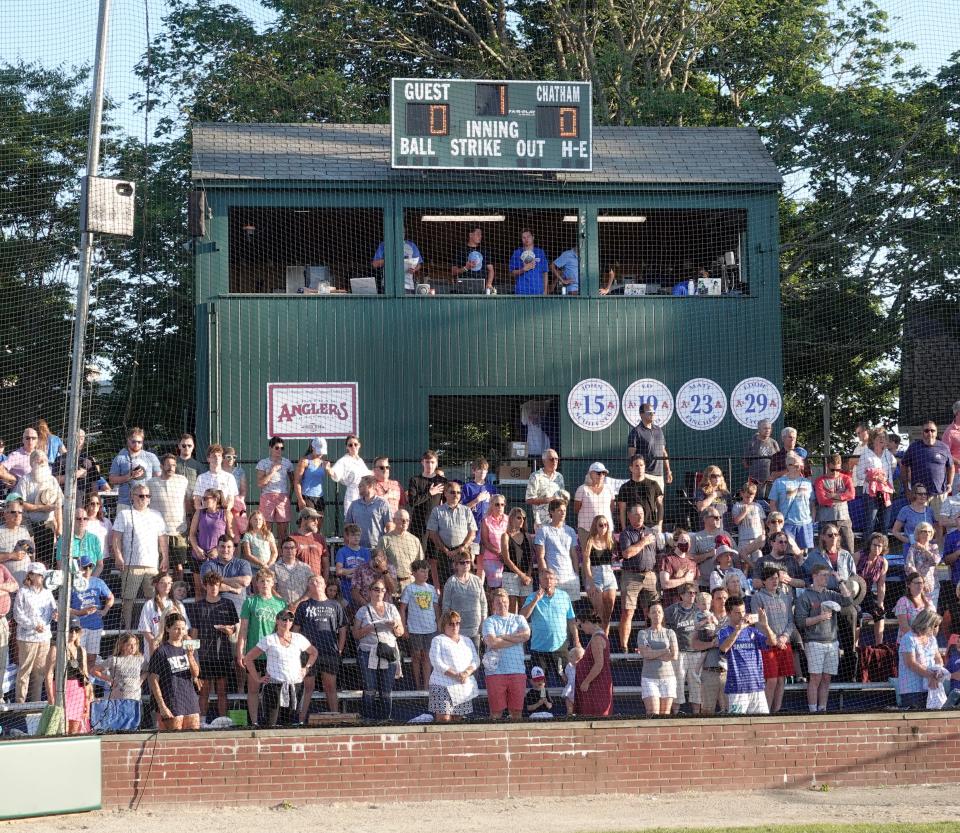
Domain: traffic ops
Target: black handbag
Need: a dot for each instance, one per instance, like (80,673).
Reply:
(385,650)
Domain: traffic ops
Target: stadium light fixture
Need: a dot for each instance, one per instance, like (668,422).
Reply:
(462,218)
(609,218)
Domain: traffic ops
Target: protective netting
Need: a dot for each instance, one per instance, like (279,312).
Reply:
(766,226)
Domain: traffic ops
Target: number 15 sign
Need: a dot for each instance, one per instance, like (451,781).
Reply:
(593,404)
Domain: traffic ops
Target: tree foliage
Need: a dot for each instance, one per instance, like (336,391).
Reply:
(43,122)
(868,146)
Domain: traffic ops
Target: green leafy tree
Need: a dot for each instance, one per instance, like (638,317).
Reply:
(43,124)
(868,146)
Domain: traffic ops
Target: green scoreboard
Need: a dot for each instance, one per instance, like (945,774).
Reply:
(491,125)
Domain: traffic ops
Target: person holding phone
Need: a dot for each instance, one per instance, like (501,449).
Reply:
(133,465)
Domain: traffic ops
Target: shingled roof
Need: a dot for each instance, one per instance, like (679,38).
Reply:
(361,153)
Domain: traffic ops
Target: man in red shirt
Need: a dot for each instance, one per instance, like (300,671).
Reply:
(834,490)
(311,545)
(386,488)
(677,568)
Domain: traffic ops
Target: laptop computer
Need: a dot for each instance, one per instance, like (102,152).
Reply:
(471,286)
(363,286)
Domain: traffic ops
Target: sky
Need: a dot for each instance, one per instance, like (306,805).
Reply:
(63,33)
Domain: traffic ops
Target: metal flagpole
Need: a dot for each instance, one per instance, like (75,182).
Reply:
(77,358)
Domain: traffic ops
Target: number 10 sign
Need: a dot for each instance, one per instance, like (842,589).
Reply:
(754,399)
(701,404)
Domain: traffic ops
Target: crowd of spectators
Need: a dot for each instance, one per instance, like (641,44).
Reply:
(769,589)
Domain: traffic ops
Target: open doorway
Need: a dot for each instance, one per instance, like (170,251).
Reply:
(463,428)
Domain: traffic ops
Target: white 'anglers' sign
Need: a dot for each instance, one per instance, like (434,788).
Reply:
(645,391)
(312,409)
(701,404)
(593,404)
(754,399)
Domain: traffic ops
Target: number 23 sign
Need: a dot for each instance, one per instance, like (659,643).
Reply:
(701,404)
(593,404)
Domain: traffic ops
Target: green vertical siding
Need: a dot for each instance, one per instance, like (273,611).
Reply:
(400,351)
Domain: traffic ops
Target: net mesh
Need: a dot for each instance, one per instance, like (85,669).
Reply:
(257,136)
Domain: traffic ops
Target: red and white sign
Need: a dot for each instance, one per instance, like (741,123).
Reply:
(701,404)
(754,399)
(312,409)
(643,392)
(593,404)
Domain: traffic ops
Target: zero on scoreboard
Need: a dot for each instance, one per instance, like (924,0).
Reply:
(492,125)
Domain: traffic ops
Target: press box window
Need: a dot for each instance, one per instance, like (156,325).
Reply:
(675,252)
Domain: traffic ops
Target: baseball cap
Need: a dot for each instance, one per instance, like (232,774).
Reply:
(37,568)
(536,673)
(86,561)
(598,467)
(319,445)
(724,549)
(12,496)
(307,512)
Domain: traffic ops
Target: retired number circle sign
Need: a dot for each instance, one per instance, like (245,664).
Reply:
(593,404)
(701,404)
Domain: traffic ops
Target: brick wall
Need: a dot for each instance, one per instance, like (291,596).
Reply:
(643,756)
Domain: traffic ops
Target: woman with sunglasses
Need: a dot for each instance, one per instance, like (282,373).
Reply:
(841,567)
(348,471)
(492,528)
(98,524)
(872,568)
(377,624)
(913,600)
(517,559)
(208,524)
(454,660)
(597,569)
(713,491)
(464,594)
(282,684)
(594,497)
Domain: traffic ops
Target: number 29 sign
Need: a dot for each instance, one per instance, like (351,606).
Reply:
(754,399)
(701,404)
(593,404)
